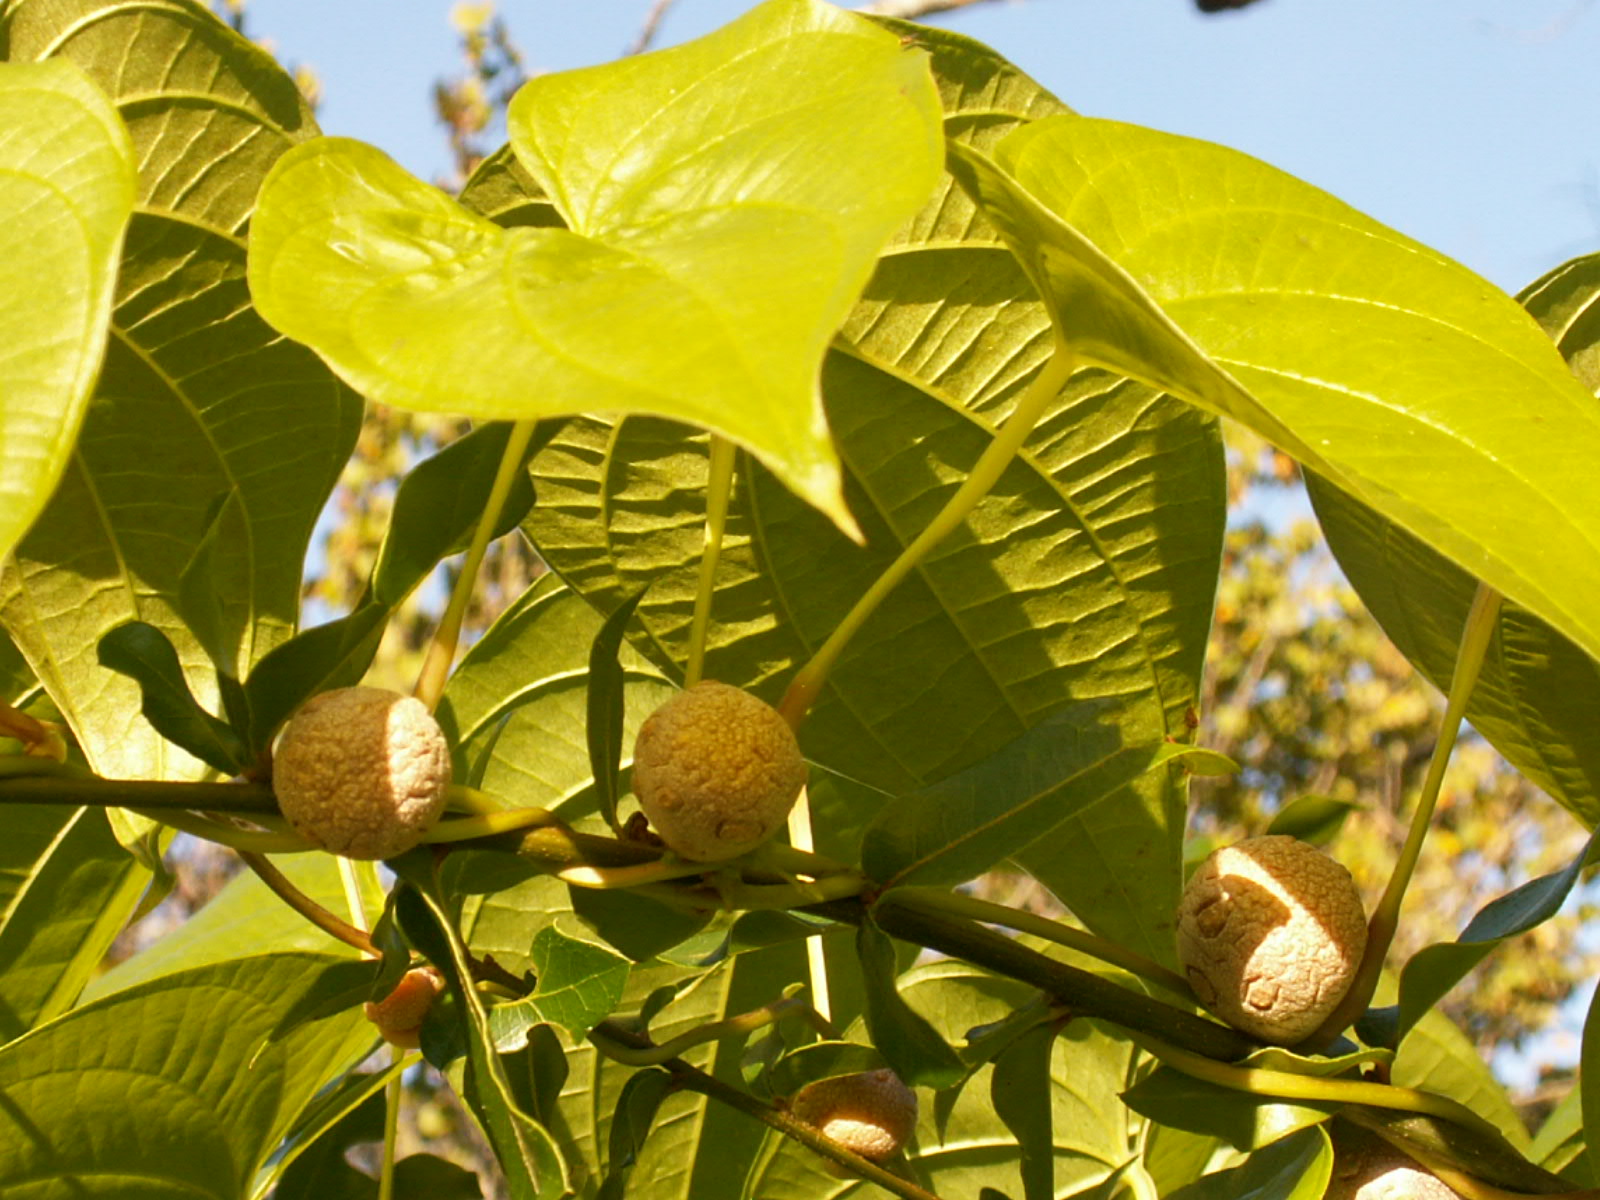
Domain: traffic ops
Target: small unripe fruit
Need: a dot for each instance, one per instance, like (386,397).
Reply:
(1270,933)
(716,770)
(362,771)
(872,1113)
(400,1014)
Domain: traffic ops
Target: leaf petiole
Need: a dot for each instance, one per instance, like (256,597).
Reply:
(807,684)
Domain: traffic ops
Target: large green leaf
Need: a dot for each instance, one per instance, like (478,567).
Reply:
(1296,1168)
(198,399)
(1537,698)
(66,887)
(66,187)
(1087,574)
(245,916)
(969,822)
(1378,363)
(697,1147)
(169,1089)
(961,1143)
(722,212)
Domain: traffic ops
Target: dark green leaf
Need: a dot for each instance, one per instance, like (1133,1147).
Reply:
(636,1112)
(1315,819)
(437,509)
(1019,1087)
(228,1098)
(908,1043)
(605,706)
(66,890)
(1294,1168)
(527,1153)
(144,654)
(639,926)
(1242,1120)
(1434,970)
(966,824)
(578,986)
(1589,1105)
(333,655)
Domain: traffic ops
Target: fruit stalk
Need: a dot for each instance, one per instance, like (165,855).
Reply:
(442,651)
(719,487)
(1482,620)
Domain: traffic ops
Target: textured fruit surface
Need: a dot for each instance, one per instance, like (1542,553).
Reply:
(1270,932)
(716,770)
(1367,1168)
(872,1113)
(400,1014)
(362,771)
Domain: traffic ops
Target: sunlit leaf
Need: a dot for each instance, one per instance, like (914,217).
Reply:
(227,1097)
(722,212)
(1433,398)
(197,398)
(1294,1168)
(66,187)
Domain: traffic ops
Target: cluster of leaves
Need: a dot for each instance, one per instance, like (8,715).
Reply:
(672,245)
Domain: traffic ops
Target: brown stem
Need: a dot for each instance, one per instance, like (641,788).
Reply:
(1083,993)
(138,793)
(303,904)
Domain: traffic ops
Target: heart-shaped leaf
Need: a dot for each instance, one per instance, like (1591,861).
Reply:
(722,213)
(66,187)
(1087,573)
(1399,375)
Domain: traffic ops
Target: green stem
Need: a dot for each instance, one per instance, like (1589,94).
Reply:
(633,875)
(1286,1085)
(23,766)
(30,731)
(303,904)
(392,1092)
(739,896)
(655,1054)
(504,820)
(935,900)
(459,798)
(245,798)
(1482,620)
(808,682)
(442,652)
(692,1079)
(718,489)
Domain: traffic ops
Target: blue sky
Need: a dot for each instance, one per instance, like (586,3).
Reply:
(1468,124)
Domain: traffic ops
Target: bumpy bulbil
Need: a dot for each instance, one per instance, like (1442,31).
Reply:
(1367,1168)
(716,770)
(362,772)
(400,1014)
(1270,933)
(872,1113)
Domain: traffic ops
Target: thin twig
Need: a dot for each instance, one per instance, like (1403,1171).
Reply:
(303,904)
(910,10)
(652,23)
